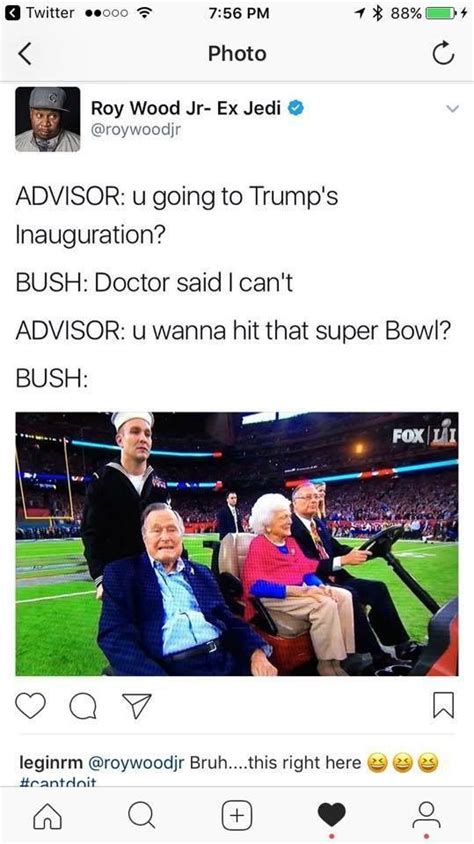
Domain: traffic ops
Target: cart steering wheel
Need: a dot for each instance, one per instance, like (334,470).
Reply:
(380,545)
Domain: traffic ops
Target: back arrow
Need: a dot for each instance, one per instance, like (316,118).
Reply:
(442,45)
(23,50)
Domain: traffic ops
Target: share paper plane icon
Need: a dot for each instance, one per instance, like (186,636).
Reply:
(138,703)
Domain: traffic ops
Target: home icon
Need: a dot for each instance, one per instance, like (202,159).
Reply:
(47,818)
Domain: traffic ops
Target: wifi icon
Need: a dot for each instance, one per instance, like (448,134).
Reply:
(144,11)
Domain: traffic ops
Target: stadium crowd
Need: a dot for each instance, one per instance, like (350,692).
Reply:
(354,506)
(306,445)
(255,459)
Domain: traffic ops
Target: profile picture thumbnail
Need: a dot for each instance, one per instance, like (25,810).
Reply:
(47,119)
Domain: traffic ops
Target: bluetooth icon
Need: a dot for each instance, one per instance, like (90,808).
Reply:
(378,13)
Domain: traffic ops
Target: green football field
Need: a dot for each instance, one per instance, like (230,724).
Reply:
(57,613)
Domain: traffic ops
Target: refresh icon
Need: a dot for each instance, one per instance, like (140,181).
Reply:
(437,53)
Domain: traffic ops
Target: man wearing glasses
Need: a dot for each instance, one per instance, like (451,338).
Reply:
(382,625)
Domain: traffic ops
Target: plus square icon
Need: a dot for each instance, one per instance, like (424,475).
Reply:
(237,815)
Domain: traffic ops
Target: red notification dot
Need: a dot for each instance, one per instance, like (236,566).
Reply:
(426,835)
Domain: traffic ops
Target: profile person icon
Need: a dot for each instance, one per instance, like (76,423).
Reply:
(47,107)
(426,810)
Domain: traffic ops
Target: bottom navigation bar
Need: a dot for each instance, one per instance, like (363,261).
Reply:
(198,814)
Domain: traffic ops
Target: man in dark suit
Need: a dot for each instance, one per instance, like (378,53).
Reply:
(228,518)
(316,542)
(165,615)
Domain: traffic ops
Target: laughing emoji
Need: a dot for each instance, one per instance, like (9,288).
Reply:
(428,762)
(402,762)
(377,762)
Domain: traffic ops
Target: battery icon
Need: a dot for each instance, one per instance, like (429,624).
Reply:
(440,13)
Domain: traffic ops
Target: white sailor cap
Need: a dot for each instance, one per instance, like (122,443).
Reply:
(120,417)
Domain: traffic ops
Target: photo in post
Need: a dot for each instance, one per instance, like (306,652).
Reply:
(224,544)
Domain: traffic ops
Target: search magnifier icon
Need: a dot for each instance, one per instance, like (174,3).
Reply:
(141,814)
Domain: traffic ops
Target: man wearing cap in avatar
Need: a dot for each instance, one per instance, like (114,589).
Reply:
(118,494)
(47,106)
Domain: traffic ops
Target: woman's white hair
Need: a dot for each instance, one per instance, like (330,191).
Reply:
(264,508)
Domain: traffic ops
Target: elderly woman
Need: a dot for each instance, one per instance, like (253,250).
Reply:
(277,572)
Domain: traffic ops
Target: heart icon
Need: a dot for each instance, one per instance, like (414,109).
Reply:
(331,813)
(30,705)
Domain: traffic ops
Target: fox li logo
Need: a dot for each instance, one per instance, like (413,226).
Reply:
(445,436)
(442,437)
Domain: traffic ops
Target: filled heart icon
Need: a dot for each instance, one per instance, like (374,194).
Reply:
(331,813)
(30,705)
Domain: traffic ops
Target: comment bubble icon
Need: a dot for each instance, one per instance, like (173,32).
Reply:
(83,706)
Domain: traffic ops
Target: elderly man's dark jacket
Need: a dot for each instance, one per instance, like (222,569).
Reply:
(131,624)
(332,547)
(383,616)
(111,523)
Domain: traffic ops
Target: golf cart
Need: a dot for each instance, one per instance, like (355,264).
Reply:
(440,656)
(292,650)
